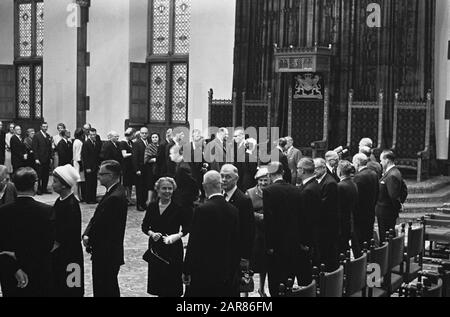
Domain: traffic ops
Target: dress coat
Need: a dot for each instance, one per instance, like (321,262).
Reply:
(27,229)
(166,279)
(212,255)
(294,156)
(65,152)
(258,261)
(348,202)
(70,251)
(42,147)
(127,164)
(18,151)
(111,151)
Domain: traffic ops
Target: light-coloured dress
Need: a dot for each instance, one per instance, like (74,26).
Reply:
(77,146)
(8,163)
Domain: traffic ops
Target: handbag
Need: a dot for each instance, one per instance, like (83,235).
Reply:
(150,254)
(247,284)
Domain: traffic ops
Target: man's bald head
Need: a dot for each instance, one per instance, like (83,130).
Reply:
(211,183)
(366,142)
(230,176)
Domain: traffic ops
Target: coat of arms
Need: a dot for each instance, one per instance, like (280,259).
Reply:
(308,86)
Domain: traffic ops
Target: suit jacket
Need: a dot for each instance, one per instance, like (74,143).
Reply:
(212,256)
(334,175)
(294,156)
(216,154)
(170,167)
(311,203)
(65,152)
(42,147)
(90,155)
(389,195)
(368,188)
(281,204)
(187,189)
(2,147)
(348,202)
(197,162)
(137,156)
(287,171)
(329,217)
(246,169)
(376,167)
(27,230)
(246,222)
(106,229)
(111,152)
(18,150)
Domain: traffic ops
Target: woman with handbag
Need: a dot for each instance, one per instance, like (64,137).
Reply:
(165,223)
(258,262)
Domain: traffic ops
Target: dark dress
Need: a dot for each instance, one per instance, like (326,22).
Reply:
(258,262)
(127,164)
(165,280)
(151,152)
(68,258)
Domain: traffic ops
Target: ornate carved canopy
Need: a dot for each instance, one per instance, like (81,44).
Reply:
(303,59)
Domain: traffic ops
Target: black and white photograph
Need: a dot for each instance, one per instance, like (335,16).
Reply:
(235,151)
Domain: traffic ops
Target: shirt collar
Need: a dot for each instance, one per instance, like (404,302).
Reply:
(2,193)
(306,181)
(65,198)
(277,180)
(214,195)
(44,134)
(363,168)
(329,167)
(230,193)
(109,189)
(389,168)
(322,178)
(25,196)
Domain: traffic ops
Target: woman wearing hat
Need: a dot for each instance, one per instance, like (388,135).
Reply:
(68,265)
(258,262)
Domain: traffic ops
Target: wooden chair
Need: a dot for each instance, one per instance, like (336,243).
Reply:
(256,113)
(222,113)
(396,256)
(434,290)
(412,134)
(379,256)
(437,231)
(365,119)
(355,272)
(331,284)
(309,122)
(289,290)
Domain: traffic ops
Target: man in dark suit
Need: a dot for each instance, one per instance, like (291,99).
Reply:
(64,149)
(332,161)
(368,187)
(372,163)
(243,161)
(27,233)
(90,156)
(328,218)
(348,202)
(216,150)
(104,235)
(42,149)
(311,200)
(389,204)
(187,191)
(138,158)
(110,149)
(2,144)
(294,156)
(211,264)
(286,247)
(19,154)
(243,203)
(168,167)
(197,160)
(282,158)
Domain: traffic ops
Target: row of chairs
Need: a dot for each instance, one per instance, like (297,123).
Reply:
(387,268)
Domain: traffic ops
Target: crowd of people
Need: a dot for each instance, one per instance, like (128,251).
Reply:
(277,218)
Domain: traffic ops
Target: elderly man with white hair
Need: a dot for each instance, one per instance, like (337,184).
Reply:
(332,161)
(111,148)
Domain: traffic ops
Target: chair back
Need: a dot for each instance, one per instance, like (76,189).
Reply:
(415,241)
(331,284)
(356,275)
(380,256)
(308,291)
(396,250)
(434,291)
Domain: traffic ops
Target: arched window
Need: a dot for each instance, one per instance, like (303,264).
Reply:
(29,48)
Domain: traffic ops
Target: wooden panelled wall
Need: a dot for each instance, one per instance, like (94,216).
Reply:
(399,55)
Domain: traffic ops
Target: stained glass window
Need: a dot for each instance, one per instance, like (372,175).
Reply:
(158,92)
(25,23)
(29,44)
(39,28)
(179,92)
(182,26)
(38,92)
(161,26)
(24,110)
